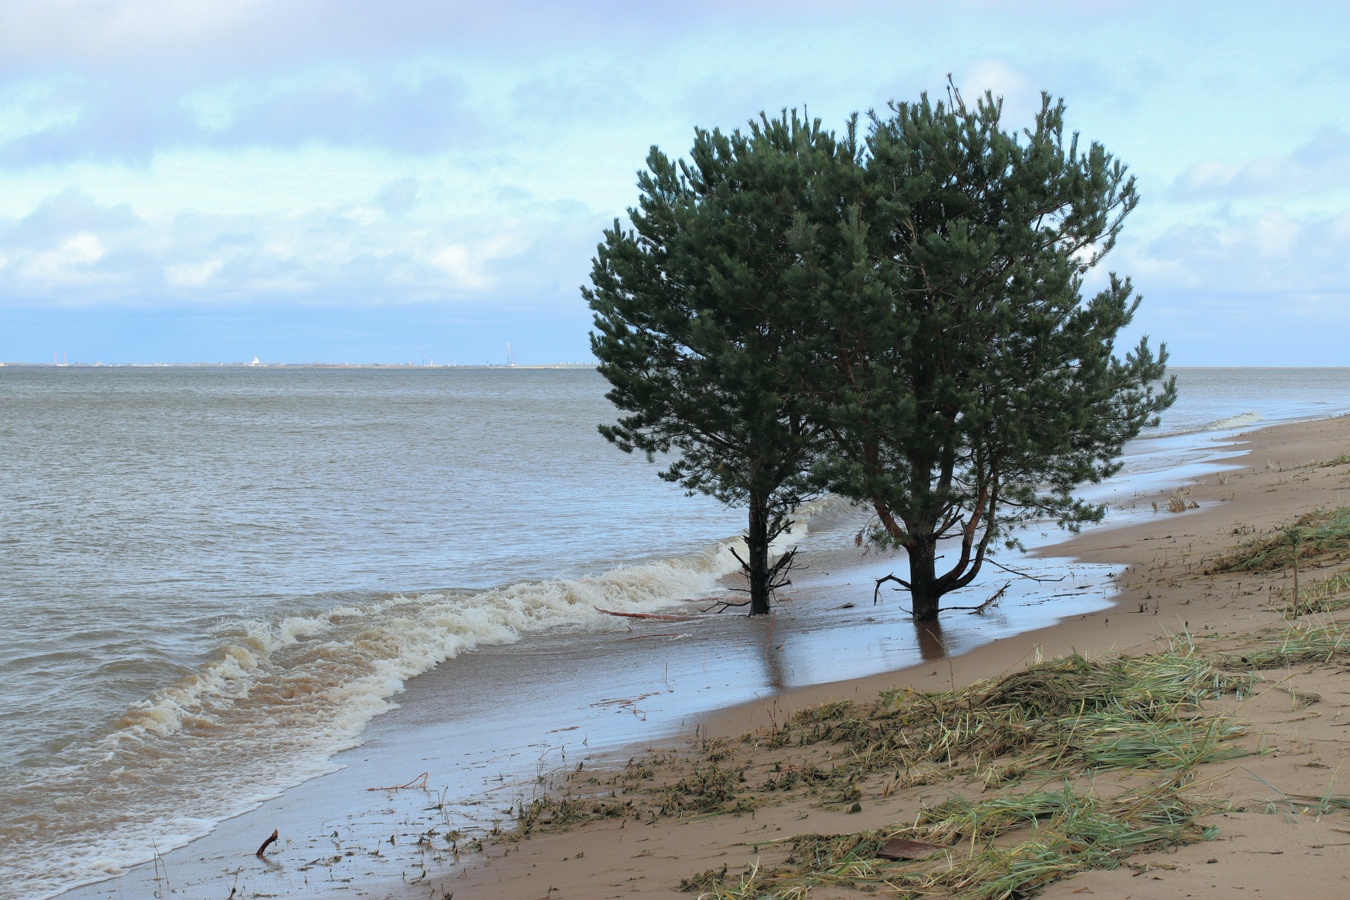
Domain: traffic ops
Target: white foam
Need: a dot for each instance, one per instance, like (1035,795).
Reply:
(1239,421)
(289,695)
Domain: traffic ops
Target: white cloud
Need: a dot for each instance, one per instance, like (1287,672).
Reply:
(469,264)
(1021,97)
(1320,164)
(339,152)
(71,260)
(191,275)
(72,249)
(1271,254)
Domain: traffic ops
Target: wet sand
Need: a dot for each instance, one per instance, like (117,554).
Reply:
(1267,843)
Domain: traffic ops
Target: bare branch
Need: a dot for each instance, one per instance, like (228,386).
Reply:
(876,592)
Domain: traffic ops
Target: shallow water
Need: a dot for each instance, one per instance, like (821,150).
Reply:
(213,580)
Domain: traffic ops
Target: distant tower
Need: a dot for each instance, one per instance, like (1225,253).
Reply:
(510,357)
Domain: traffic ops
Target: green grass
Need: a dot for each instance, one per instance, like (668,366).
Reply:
(1059,721)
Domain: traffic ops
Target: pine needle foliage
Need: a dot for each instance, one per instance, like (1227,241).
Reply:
(900,320)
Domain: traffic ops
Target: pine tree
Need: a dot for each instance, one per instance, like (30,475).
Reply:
(694,324)
(967,385)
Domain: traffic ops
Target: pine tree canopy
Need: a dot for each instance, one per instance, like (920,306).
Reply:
(899,320)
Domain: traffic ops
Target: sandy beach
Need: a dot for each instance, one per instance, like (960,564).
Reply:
(1279,808)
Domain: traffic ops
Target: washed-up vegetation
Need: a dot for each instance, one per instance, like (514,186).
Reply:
(1021,756)
(1316,538)
(1324,595)
(1300,642)
(1064,831)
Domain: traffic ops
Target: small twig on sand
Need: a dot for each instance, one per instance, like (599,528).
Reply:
(1018,572)
(976,610)
(635,615)
(398,787)
(265,844)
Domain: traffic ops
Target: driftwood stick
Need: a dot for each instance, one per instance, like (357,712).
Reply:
(398,787)
(634,615)
(267,843)
(1019,573)
(726,605)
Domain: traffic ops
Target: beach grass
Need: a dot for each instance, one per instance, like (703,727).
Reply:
(1299,642)
(1328,594)
(1316,537)
(1059,832)
(1020,756)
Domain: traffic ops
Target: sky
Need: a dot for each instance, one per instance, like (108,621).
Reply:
(427,180)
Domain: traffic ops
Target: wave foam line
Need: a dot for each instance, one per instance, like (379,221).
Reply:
(287,695)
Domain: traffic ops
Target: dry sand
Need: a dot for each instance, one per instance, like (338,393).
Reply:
(1267,842)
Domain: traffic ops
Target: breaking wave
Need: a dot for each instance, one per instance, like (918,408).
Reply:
(288,695)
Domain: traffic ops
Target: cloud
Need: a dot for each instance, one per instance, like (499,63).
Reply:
(191,275)
(131,121)
(59,217)
(399,196)
(73,250)
(426,113)
(251,33)
(1265,257)
(1318,165)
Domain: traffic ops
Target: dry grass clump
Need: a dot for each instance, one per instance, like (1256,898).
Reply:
(1001,847)
(1177,502)
(1329,594)
(1318,537)
(1053,722)
(1064,715)
(1302,642)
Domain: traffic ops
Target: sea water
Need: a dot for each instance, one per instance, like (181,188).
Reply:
(212,580)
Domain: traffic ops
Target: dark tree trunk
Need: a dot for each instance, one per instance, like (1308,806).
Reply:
(923,586)
(757,558)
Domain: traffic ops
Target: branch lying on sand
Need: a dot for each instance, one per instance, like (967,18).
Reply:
(634,615)
(267,843)
(420,781)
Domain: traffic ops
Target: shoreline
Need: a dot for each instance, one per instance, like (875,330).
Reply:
(1162,593)
(327,850)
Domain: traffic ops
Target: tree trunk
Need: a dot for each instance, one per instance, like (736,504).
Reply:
(923,589)
(757,557)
